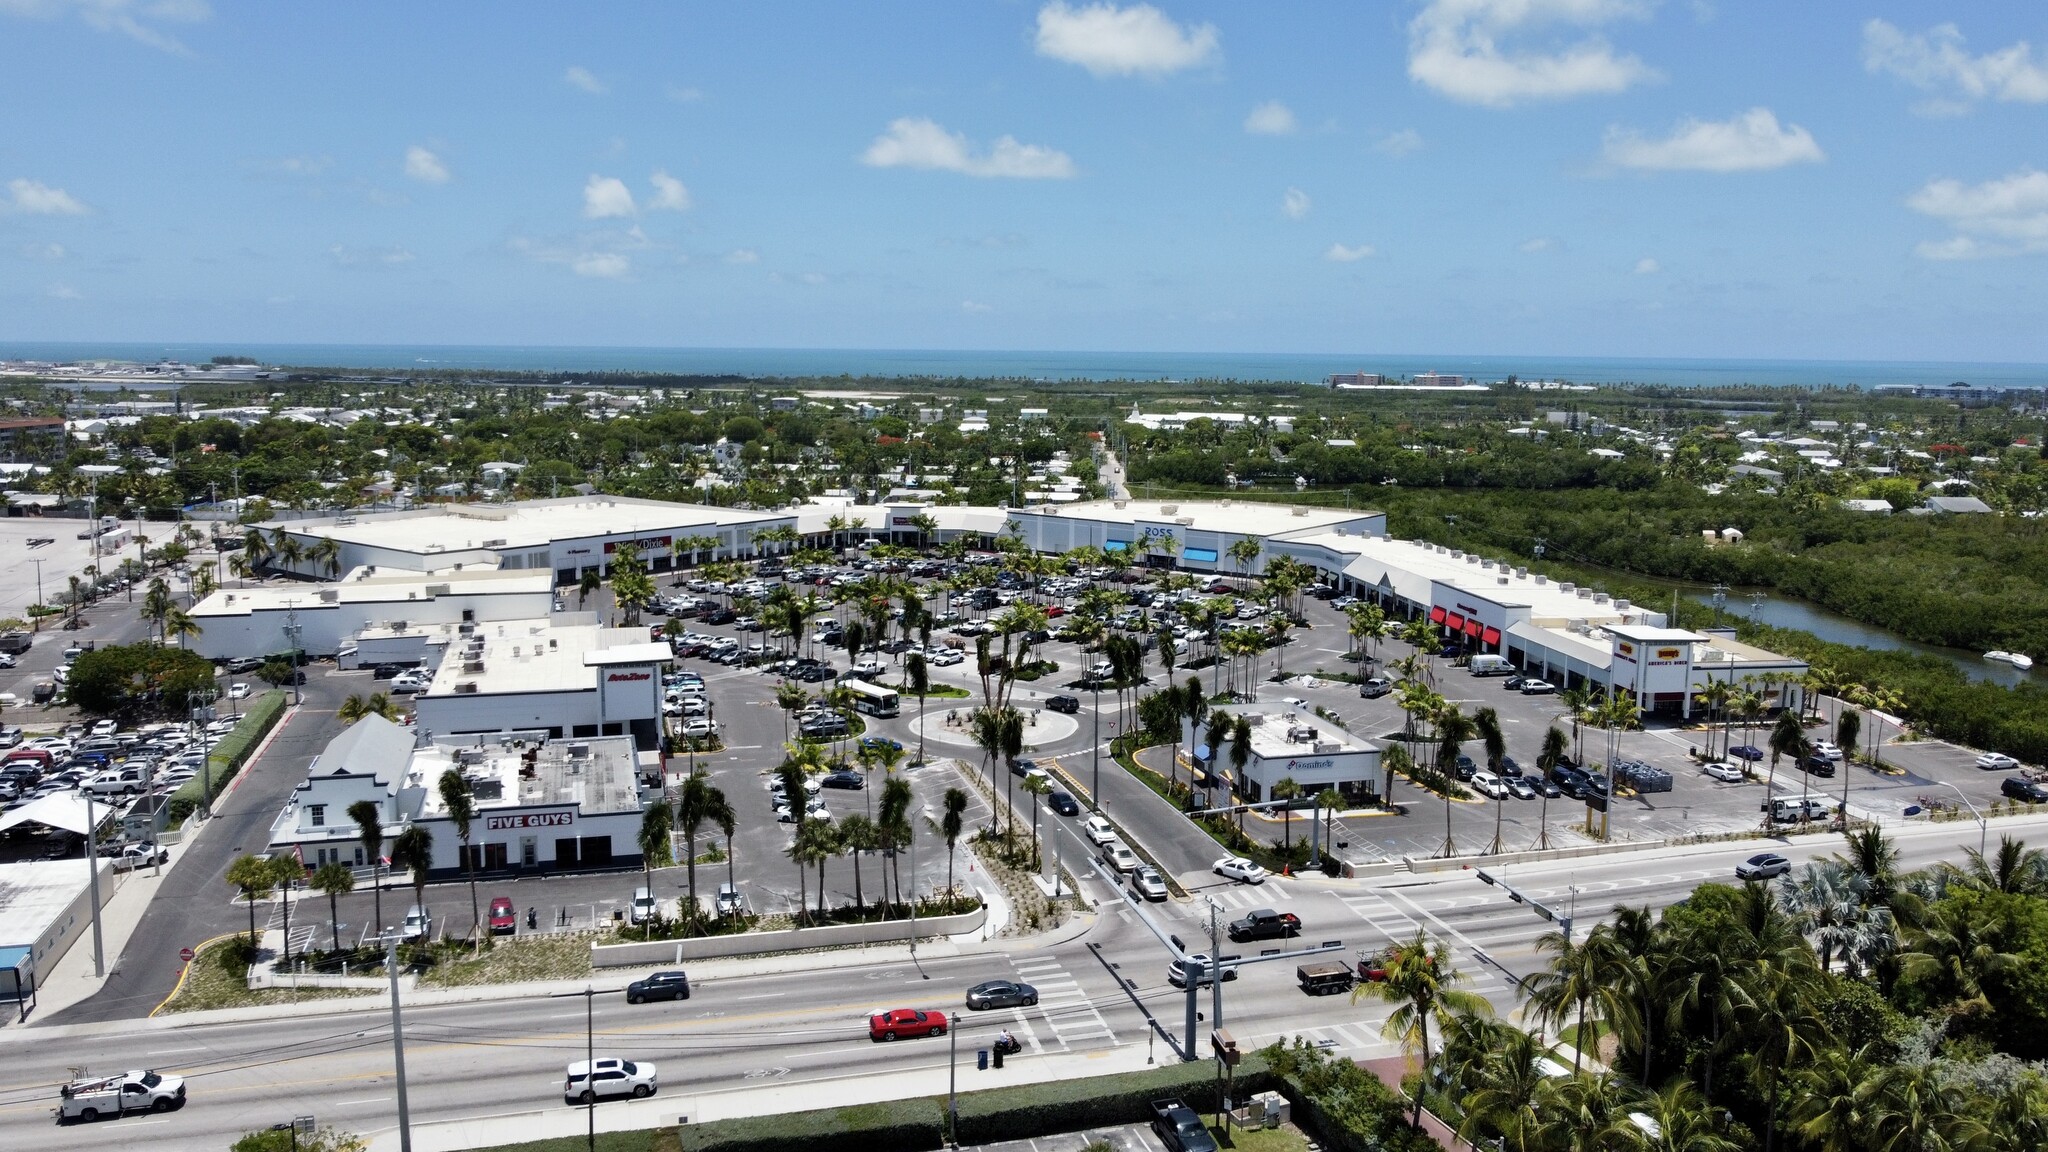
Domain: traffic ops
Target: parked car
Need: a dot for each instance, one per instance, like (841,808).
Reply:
(905,1023)
(1490,784)
(136,856)
(1537,688)
(1818,766)
(849,780)
(1376,687)
(1240,869)
(504,918)
(672,984)
(2024,790)
(1827,749)
(1749,752)
(1520,788)
(1724,771)
(1762,866)
(604,1079)
(1997,762)
(730,902)
(1001,994)
(418,926)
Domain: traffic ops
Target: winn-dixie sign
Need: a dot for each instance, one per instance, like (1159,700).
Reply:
(529,820)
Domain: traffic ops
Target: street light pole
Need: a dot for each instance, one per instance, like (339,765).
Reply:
(398,1040)
(1983,826)
(92,871)
(1095,749)
(590,1067)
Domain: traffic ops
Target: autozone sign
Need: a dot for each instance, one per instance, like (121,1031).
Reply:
(529,820)
(627,677)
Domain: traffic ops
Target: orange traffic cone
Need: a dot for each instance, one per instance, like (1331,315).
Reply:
(1285,870)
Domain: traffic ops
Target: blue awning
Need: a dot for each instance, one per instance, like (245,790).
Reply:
(1207,555)
(1116,545)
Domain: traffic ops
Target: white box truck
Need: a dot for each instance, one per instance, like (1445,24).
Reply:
(105,1097)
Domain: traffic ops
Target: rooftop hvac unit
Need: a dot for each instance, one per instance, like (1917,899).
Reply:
(1567,586)
(1301,734)
(1327,748)
(329,595)
(1599,597)
(1542,579)
(1621,605)
(1500,580)
(579,751)
(1585,593)
(465,687)
(398,625)
(1185,521)
(472,665)
(466,628)
(1169,509)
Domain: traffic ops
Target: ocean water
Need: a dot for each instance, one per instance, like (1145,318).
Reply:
(947,364)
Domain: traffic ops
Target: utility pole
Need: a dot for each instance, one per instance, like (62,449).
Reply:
(1094,749)
(398,1040)
(38,562)
(291,636)
(92,871)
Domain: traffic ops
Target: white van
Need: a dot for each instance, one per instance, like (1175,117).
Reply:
(1484,665)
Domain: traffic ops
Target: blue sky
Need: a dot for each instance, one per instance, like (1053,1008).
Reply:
(1544,177)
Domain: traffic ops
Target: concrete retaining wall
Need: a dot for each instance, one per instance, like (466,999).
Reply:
(1433,864)
(791,940)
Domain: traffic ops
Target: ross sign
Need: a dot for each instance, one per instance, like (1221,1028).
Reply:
(186,954)
(618,677)
(529,820)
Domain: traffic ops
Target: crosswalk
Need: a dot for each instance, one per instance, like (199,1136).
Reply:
(1063,1007)
(1393,919)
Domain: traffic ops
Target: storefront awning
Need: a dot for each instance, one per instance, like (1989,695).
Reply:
(1490,636)
(1436,614)
(1456,621)
(1473,627)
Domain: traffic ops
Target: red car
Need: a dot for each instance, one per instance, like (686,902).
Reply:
(504,921)
(905,1022)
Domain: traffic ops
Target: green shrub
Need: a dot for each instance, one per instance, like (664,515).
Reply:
(1346,1107)
(915,1124)
(229,753)
(1099,1102)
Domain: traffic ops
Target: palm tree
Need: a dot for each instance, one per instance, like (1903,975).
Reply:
(693,801)
(1422,981)
(460,802)
(1713,695)
(179,624)
(1684,1122)
(951,825)
(1875,859)
(718,810)
(858,834)
(919,679)
(1578,980)
(288,870)
(790,698)
(655,838)
(894,821)
(2014,869)
(1551,754)
(1285,789)
(1956,956)
(1508,1093)
(413,850)
(1453,728)
(1241,754)
(1831,1110)
(817,842)
(1486,722)
(336,881)
(254,878)
(369,818)
(357,706)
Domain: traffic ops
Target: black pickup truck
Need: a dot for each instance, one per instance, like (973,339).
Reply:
(1179,1128)
(1265,924)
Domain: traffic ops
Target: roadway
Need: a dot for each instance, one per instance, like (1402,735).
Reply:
(1104,995)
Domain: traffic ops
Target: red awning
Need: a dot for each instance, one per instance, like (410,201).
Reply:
(1436,615)
(1473,627)
(1490,636)
(1456,621)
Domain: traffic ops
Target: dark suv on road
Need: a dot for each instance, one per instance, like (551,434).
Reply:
(670,985)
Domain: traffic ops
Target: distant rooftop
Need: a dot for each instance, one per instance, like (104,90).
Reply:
(520,656)
(525,524)
(1290,733)
(599,774)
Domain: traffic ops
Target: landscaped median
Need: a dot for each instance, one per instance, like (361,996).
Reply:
(1335,1101)
(228,754)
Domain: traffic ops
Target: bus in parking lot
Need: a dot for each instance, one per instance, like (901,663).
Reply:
(872,699)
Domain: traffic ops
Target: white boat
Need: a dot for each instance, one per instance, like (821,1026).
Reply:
(2019,660)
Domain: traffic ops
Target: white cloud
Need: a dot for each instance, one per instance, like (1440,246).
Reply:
(1342,255)
(1648,267)
(1295,204)
(1400,143)
(1535,244)
(129,18)
(350,257)
(1112,41)
(2011,211)
(1454,46)
(1271,119)
(918,142)
(974,306)
(425,167)
(601,265)
(1750,142)
(43,251)
(669,194)
(1935,60)
(35,198)
(606,197)
(64,292)
(580,77)
(743,256)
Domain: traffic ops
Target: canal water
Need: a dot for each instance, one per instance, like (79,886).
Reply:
(1764,607)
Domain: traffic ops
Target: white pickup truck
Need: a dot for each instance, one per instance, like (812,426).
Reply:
(97,1097)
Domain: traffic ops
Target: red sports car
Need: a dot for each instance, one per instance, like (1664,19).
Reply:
(904,1022)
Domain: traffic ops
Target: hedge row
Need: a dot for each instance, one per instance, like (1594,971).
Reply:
(230,753)
(1099,1102)
(914,1125)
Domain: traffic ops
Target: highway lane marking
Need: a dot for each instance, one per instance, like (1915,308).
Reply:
(369,1100)
(169,1051)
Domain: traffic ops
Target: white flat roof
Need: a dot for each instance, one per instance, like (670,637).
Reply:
(520,656)
(1546,599)
(1236,518)
(387,586)
(1270,731)
(598,775)
(525,524)
(34,893)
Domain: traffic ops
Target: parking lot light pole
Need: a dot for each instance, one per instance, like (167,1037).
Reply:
(390,943)
(1095,748)
(1983,826)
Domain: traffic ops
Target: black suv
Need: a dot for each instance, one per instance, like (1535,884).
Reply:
(1818,766)
(670,985)
(1067,704)
(2024,790)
